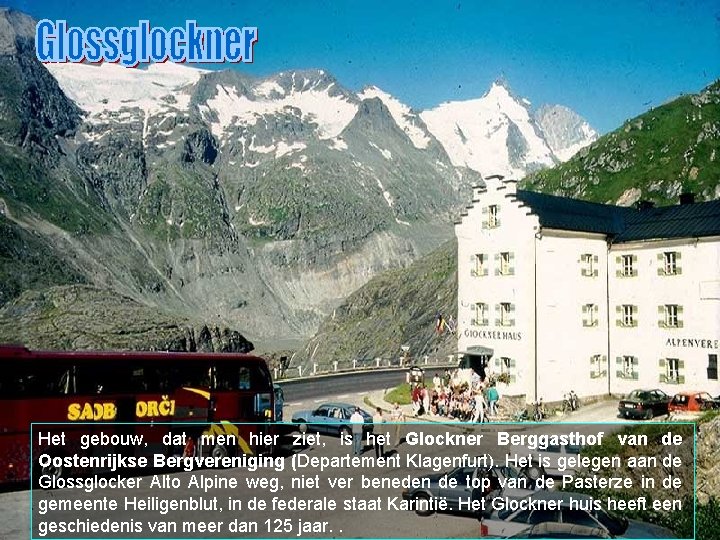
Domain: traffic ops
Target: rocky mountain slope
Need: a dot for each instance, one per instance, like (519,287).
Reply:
(670,149)
(82,317)
(256,203)
(588,175)
(393,309)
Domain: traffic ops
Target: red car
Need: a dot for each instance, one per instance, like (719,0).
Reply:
(692,401)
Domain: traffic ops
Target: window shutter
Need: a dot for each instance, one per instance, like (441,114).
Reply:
(681,364)
(619,313)
(512,363)
(512,314)
(661,264)
(497,362)
(596,261)
(635,375)
(635,362)
(496,260)
(662,363)
(634,267)
(661,316)
(497,312)
(513,378)
(681,379)
(679,316)
(618,360)
(620,374)
(511,269)
(634,314)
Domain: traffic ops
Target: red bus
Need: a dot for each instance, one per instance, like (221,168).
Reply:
(148,393)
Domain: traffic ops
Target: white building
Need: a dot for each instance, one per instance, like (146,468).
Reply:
(567,295)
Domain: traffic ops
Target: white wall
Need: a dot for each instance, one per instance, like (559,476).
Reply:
(696,289)
(514,234)
(565,346)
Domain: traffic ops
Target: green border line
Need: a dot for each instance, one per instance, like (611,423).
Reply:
(450,424)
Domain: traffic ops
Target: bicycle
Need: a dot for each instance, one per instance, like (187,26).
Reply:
(539,411)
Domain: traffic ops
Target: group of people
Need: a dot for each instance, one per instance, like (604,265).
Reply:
(468,401)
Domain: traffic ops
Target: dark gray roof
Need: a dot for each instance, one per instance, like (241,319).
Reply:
(679,221)
(573,214)
(621,223)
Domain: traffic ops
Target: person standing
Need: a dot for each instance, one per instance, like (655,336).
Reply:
(479,416)
(493,396)
(357,422)
(378,420)
(425,396)
(398,417)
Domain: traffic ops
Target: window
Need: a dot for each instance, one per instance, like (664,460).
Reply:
(504,264)
(505,365)
(671,315)
(627,265)
(590,315)
(589,265)
(597,366)
(578,517)
(481,315)
(712,369)
(506,311)
(493,216)
(669,263)
(670,260)
(479,262)
(627,315)
(671,371)
(627,367)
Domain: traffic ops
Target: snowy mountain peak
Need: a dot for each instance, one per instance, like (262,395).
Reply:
(498,133)
(404,117)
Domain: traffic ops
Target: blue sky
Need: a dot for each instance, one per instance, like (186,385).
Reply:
(608,60)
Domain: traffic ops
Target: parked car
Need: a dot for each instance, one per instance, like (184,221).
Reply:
(497,477)
(504,523)
(644,404)
(692,402)
(562,530)
(331,418)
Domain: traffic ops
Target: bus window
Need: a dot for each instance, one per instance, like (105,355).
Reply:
(37,380)
(102,378)
(234,377)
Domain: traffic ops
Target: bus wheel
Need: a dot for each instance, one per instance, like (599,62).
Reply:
(220,451)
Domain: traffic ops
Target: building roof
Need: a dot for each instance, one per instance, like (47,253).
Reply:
(624,224)
(679,221)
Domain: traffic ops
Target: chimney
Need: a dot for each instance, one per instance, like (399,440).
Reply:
(644,205)
(687,198)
